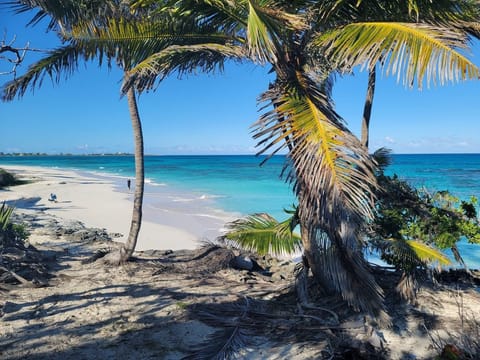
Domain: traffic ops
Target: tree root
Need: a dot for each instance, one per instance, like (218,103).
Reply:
(20,279)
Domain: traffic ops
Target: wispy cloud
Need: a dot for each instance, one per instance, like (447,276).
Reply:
(199,149)
(434,144)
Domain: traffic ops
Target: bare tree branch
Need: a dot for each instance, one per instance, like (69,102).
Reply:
(13,55)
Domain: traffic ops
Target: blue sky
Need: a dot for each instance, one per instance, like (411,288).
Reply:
(212,114)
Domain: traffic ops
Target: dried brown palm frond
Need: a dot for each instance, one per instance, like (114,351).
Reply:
(225,344)
(333,177)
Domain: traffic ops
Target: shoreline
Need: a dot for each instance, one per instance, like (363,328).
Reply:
(100,201)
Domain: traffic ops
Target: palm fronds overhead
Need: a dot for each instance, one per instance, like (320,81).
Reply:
(413,51)
(182,59)
(149,50)
(263,41)
(57,12)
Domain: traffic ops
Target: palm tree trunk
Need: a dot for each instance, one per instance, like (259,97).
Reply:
(129,247)
(313,254)
(367,110)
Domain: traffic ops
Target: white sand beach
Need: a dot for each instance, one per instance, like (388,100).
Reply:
(96,201)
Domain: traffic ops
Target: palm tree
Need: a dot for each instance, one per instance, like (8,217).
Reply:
(89,35)
(305,42)
(64,16)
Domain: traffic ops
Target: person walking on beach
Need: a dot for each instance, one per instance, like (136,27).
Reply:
(129,183)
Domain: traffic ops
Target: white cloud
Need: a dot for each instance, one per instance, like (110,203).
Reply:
(439,144)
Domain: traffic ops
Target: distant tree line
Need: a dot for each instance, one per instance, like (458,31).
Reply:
(63,154)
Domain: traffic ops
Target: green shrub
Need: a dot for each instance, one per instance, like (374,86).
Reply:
(7,179)
(19,232)
(10,232)
(437,219)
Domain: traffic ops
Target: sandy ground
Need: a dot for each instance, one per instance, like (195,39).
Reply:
(176,305)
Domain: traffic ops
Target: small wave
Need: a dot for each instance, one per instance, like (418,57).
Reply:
(183,199)
(157,184)
(210,216)
(101,167)
(210,196)
(201,197)
(152,182)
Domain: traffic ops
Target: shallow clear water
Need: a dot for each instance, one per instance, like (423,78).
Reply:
(235,183)
(239,184)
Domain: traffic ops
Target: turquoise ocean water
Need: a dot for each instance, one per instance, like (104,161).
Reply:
(238,184)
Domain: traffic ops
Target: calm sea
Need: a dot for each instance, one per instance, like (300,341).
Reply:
(239,184)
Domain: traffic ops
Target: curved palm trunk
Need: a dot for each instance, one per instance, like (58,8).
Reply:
(129,247)
(367,110)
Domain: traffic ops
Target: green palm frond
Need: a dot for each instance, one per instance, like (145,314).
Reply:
(413,51)
(264,25)
(407,255)
(221,14)
(151,50)
(182,59)
(264,234)
(261,45)
(5,213)
(427,253)
(445,12)
(57,12)
(440,12)
(135,40)
(147,48)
